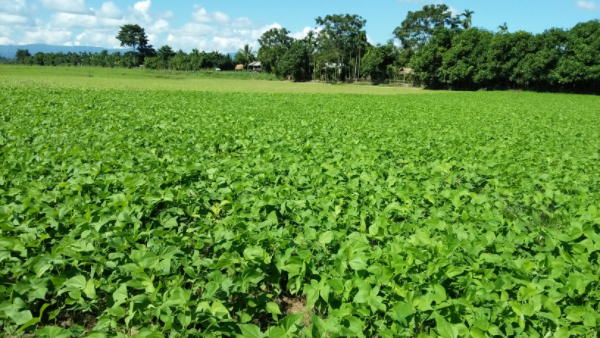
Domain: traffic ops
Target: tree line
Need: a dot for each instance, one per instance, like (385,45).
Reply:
(142,53)
(102,59)
(443,50)
(450,56)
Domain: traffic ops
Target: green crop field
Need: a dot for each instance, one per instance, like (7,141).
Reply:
(204,214)
(140,79)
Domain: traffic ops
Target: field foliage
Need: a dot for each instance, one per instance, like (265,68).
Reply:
(151,214)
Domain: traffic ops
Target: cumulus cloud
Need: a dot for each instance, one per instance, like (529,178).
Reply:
(303,33)
(17,7)
(49,36)
(68,6)
(14,19)
(96,38)
(143,7)
(6,41)
(73,22)
(201,15)
(453,10)
(369,40)
(586,5)
(242,22)
(110,11)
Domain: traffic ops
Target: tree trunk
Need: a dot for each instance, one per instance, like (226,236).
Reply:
(359,62)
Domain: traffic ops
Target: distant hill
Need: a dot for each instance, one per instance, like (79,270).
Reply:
(9,51)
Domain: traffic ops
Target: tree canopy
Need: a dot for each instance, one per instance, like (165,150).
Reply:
(418,27)
(274,43)
(134,36)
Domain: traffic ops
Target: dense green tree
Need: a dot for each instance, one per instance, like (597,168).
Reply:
(295,64)
(134,36)
(464,65)
(274,43)
(473,59)
(537,60)
(22,55)
(340,37)
(505,52)
(165,53)
(418,27)
(376,61)
(428,62)
(579,68)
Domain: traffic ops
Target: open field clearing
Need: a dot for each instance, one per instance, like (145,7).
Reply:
(160,213)
(140,79)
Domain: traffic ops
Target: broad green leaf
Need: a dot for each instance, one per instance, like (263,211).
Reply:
(288,323)
(273,308)
(445,329)
(22,317)
(326,237)
(562,332)
(353,324)
(120,294)
(53,332)
(358,263)
(76,283)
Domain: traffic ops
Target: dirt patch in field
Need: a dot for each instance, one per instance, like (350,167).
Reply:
(296,305)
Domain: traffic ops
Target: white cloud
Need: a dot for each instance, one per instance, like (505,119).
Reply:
(94,38)
(586,5)
(201,15)
(166,15)
(369,40)
(17,7)
(143,6)
(73,22)
(242,22)
(68,20)
(6,41)
(453,10)
(110,11)
(44,35)
(303,33)
(14,19)
(160,26)
(67,6)
(221,18)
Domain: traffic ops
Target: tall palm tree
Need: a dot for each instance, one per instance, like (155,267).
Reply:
(467,22)
(246,53)
(503,29)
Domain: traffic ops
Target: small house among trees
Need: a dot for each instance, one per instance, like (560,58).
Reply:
(255,67)
(239,67)
(405,71)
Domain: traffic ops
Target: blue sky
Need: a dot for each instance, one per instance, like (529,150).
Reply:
(226,25)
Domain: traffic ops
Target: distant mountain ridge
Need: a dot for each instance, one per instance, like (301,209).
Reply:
(9,51)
